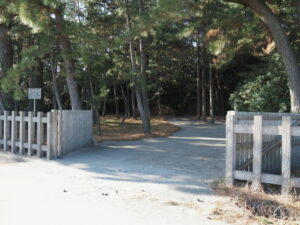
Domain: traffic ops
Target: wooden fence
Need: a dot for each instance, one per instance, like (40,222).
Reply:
(45,135)
(263,148)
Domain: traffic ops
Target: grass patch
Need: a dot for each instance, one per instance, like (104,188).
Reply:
(246,207)
(112,129)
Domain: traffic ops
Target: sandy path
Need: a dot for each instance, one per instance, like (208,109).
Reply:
(160,181)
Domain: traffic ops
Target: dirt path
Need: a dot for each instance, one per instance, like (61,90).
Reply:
(161,181)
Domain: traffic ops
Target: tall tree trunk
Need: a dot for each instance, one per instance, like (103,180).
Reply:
(116,101)
(94,108)
(133,104)
(140,94)
(125,99)
(128,100)
(104,107)
(283,46)
(37,81)
(220,94)
(54,82)
(158,102)
(6,62)
(203,82)
(65,46)
(198,84)
(211,96)
(297,3)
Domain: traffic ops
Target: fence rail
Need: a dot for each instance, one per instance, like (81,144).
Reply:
(263,148)
(45,135)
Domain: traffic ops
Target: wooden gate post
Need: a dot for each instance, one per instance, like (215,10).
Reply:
(257,153)
(230,148)
(53,134)
(286,155)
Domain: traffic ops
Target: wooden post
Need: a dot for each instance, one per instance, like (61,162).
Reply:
(49,115)
(59,132)
(5,122)
(13,131)
(30,128)
(21,133)
(39,134)
(230,148)
(286,155)
(53,133)
(257,153)
(1,128)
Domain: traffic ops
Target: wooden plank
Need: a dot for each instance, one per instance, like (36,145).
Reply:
(21,133)
(286,155)
(49,114)
(295,131)
(39,134)
(13,131)
(243,129)
(30,133)
(54,134)
(5,130)
(271,179)
(1,128)
(265,178)
(295,182)
(243,175)
(230,149)
(272,130)
(59,132)
(257,153)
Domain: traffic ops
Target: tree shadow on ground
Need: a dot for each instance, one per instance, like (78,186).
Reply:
(188,161)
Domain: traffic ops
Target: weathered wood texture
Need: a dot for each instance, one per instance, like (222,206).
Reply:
(74,130)
(50,135)
(263,148)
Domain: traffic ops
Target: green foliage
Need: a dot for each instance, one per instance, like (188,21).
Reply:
(264,90)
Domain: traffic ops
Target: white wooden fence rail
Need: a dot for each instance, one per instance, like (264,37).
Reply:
(45,135)
(259,127)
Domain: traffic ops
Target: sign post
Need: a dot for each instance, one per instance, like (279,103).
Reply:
(34,94)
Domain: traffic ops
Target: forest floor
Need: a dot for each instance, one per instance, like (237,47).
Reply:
(113,129)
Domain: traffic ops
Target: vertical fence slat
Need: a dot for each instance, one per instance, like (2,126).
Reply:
(54,133)
(13,131)
(39,134)
(59,132)
(1,129)
(49,135)
(230,149)
(257,153)
(21,133)
(5,130)
(286,154)
(30,133)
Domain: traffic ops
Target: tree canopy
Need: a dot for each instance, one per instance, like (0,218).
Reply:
(157,57)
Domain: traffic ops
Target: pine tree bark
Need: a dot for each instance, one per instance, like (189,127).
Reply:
(283,46)
(133,104)
(54,82)
(203,84)
(95,109)
(140,94)
(65,46)
(211,96)
(126,104)
(104,107)
(198,84)
(297,4)
(220,94)
(116,101)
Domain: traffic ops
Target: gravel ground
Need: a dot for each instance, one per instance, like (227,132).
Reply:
(161,181)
